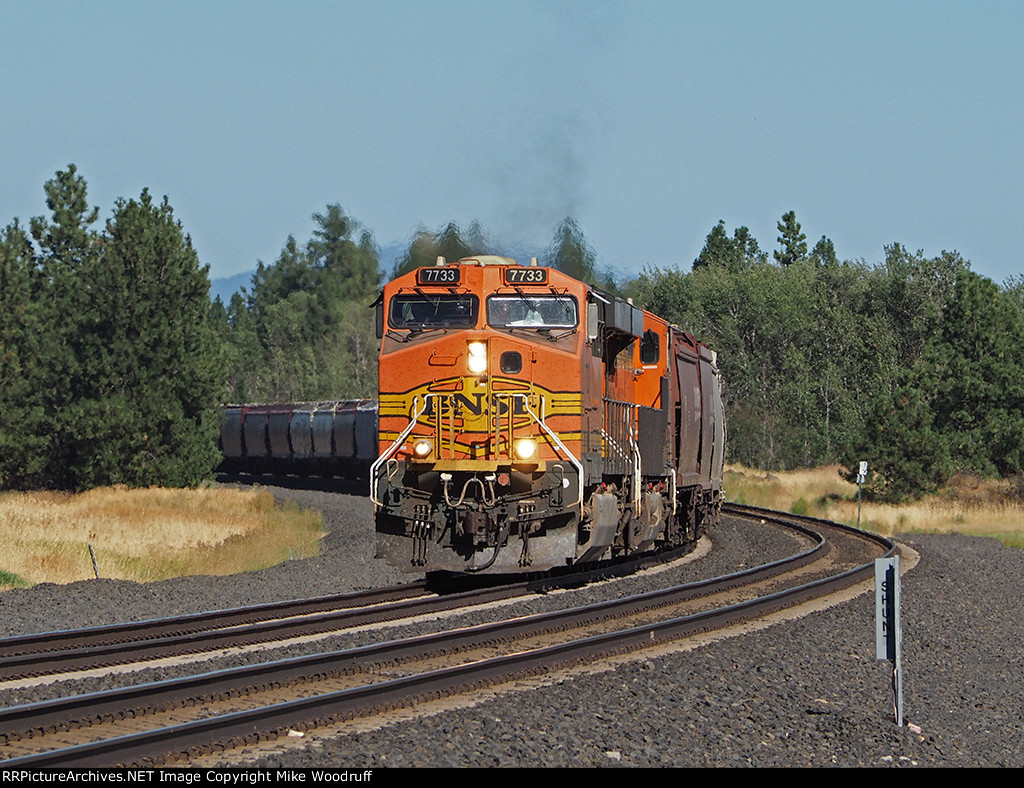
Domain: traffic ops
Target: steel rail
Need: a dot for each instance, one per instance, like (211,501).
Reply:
(88,657)
(39,716)
(347,703)
(745,510)
(159,638)
(134,631)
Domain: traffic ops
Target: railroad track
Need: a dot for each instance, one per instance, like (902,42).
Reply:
(66,652)
(49,653)
(154,722)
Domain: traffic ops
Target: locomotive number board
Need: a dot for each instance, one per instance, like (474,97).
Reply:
(439,275)
(521,275)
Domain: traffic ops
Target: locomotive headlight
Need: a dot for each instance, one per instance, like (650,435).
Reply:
(422,448)
(525,448)
(477,357)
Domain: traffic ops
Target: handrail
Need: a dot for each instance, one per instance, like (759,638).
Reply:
(393,448)
(625,417)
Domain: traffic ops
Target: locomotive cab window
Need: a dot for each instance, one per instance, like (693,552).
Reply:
(419,311)
(650,350)
(532,311)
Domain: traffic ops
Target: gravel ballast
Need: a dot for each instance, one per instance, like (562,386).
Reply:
(807,692)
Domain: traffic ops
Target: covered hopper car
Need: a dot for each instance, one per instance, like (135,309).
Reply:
(321,438)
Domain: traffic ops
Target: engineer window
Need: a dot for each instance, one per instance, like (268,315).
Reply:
(416,311)
(531,311)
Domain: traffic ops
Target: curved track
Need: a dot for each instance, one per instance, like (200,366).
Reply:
(69,651)
(152,723)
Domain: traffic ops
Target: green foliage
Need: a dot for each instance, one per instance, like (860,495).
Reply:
(913,365)
(66,241)
(112,357)
(24,343)
(570,252)
(150,355)
(782,351)
(739,253)
(907,455)
(794,242)
(449,242)
(959,405)
(111,369)
(244,354)
(304,332)
(974,366)
(11,579)
(824,254)
(1013,289)
(67,258)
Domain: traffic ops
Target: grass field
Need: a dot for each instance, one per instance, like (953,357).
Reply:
(967,505)
(148,534)
(155,534)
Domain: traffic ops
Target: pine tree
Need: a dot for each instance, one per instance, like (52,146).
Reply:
(823,255)
(244,355)
(451,245)
(974,367)
(736,254)
(68,250)
(351,267)
(449,242)
(794,242)
(24,428)
(305,332)
(906,451)
(152,368)
(718,249)
(124,368)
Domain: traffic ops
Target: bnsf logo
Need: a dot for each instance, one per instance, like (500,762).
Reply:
(470,410)
(473,404)
(467,410)
(474,411)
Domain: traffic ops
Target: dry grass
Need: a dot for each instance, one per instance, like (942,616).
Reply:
(149,534)
(966,506)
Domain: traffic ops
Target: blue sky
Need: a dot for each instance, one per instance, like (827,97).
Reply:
(646,120)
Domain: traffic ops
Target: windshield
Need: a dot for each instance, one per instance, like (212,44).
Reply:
(531,311)
(433,311)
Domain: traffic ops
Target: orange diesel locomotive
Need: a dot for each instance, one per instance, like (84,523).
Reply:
(530,421)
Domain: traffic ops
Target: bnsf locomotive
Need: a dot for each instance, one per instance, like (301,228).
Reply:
(529,421)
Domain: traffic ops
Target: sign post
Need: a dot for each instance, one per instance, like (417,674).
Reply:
(888,627)
(862,475)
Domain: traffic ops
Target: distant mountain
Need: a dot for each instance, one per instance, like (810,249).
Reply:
(227,286)
(389,254)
